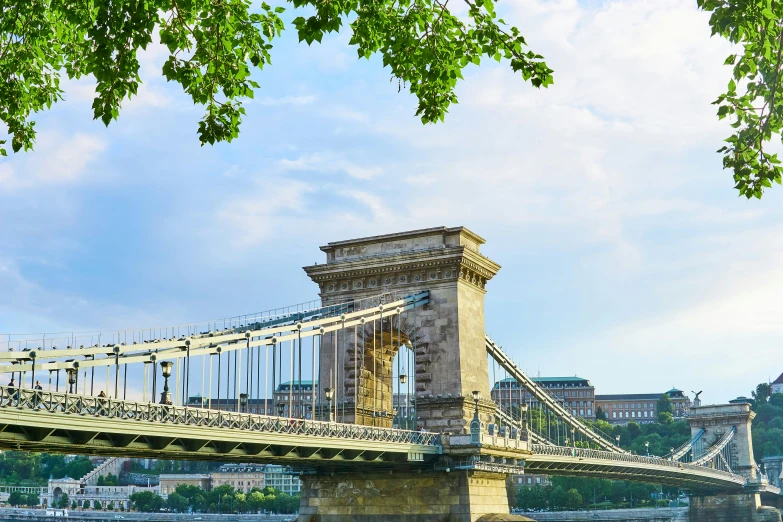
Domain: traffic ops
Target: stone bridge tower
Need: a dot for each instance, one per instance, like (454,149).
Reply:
(716,420)
(447,334)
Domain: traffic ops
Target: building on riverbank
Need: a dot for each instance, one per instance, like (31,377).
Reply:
(641,408)
(573,393)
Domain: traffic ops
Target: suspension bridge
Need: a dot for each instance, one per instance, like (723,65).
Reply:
(398,400)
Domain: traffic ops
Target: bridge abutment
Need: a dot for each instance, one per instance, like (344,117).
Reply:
(743,507)
(402,496)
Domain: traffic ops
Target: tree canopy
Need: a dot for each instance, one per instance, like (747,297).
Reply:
(214,45)
(754,94)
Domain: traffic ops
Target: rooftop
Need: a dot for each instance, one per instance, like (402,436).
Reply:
(629,397)
(572,381)
(779,380)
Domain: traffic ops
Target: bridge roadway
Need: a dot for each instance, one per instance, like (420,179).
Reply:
(69,423)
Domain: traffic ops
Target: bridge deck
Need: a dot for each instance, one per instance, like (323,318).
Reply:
(557,460)
(69,423)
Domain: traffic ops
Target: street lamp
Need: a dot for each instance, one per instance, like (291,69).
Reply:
(71,378)
(476,396)
(647,447)
(243,402)
(329,393)
(280,408)
(671,450)
(573,437)
(403,378)
(617,438)
(165,368)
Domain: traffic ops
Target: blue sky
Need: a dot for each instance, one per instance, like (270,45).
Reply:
(627,257)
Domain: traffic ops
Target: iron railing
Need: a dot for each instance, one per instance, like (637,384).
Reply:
(108,408)
(582,453)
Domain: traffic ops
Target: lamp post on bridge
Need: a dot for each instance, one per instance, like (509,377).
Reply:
(165,368)
(243,403)
(71,378)
(475,424)
(617,438)
(403,380)
(647,447)
(329,392)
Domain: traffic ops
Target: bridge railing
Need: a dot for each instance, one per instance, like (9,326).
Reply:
(562,451)
(108,408)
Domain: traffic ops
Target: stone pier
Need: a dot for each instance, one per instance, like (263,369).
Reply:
(409,496)
(743,507)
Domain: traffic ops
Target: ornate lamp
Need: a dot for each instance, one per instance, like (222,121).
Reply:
(165,368)
(71,377)
(403,378)
(243,402)
(280,408)
(475,424)
(329,392)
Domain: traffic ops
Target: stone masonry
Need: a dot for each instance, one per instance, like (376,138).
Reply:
(447,335)
(716,420)
(410,496)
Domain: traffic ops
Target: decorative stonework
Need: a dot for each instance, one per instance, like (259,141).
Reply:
(449,333)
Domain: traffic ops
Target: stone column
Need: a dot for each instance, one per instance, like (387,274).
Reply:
(447,334)
(402,496)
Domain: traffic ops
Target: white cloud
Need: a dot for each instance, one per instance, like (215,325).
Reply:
(330,163)
(57,160)
(288,100)
(255,217)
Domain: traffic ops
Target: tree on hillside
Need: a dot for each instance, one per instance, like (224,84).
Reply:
(177,503)
(146,501)
(762,392)
(214,46)
(633,429)
(16,498)
(574,499)
(664,417)
(558,498)
(531,497)
(665,404)
(599,414)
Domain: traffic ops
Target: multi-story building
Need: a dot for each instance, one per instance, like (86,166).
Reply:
(259,406)
(573,393)
(287,397)
(297,397)
(777,385)
(641,407)
(281,477)
(168,483)
(242,477)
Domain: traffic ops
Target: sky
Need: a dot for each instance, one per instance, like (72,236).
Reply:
(627,257)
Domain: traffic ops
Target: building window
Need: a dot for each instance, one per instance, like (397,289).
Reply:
(614,414)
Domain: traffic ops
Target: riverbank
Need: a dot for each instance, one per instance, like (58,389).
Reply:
(39,515)
(679,514)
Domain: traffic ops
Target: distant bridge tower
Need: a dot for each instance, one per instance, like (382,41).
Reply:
(447,335)
(717,419)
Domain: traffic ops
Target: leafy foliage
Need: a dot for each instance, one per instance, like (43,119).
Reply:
(146,501)
(767,428)
(665,404)
(754,95)
(215,44)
